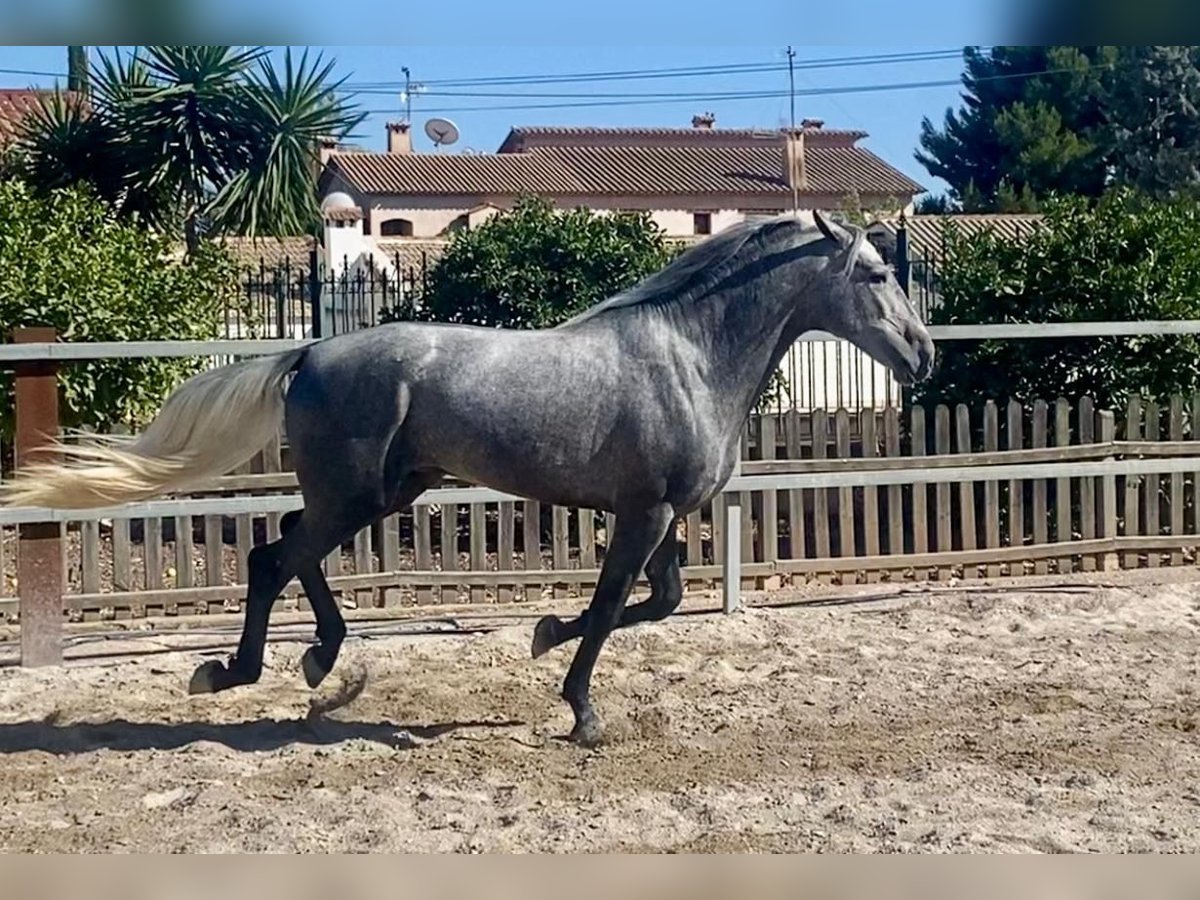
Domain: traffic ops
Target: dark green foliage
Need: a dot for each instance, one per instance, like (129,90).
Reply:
(198,139)
(66,260)
(534,267)
(1040,121)
(1123,258)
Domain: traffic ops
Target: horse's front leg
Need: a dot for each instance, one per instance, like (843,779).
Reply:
(666,591)
(636,536)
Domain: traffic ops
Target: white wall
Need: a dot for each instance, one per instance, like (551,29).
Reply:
(431,216)
(831,374)
(426,223)
(681,222)
(345,243)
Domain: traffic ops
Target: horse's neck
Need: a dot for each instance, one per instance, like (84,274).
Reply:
(743,336)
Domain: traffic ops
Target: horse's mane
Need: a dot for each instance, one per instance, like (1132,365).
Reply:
(700,267)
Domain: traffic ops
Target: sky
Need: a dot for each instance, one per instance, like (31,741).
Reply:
(848,86)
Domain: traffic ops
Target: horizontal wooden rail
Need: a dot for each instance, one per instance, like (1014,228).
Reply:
(281,503)
(946,474)
(286,481)
(79,351)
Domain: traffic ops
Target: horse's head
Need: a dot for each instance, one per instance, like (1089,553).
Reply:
(868,307)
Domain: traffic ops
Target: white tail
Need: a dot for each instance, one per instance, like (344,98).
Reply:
(212,423)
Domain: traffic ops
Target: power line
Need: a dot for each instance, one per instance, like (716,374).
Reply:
(688,72)
(648,100)
(832,62)
(33,72)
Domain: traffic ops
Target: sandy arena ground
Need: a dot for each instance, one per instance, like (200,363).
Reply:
(1014,720)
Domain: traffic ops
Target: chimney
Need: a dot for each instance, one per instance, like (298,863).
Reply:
(326,147)
(399,138)
(705,121)
(795,173)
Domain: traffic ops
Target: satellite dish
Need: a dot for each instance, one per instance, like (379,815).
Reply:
(441,131)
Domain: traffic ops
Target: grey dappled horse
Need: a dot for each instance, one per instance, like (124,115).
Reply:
(634,407)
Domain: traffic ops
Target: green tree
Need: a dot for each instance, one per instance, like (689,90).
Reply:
(1123,258)
(68,261)
(195,139)
(1153,134)
(1032,124)
(534,267)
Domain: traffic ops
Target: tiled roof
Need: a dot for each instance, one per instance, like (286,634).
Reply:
(756,167)
(444,173)
(927,234)
(701,170)
(16,105)
(270,253)
(353,214)
(409,253)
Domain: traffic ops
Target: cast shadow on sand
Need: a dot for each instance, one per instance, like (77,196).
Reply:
(260,734)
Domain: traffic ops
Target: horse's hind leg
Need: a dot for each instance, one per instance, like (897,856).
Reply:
(271,568)
(319,659)
(308,539)
(666,591)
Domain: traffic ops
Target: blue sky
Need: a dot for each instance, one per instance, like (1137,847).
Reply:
(891,117)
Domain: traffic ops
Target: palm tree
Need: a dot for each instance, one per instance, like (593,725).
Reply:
(203,139)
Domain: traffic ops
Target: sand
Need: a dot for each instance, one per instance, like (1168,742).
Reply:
(1013,721)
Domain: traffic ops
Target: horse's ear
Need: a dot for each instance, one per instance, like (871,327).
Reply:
(830,229)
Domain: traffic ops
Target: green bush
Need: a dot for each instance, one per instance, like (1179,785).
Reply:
(67,262)
(534,267)
(1122,258)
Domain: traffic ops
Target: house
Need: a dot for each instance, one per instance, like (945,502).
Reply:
(382,211)
(692,181)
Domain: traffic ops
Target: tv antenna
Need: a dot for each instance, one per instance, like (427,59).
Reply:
(410,87)
(442,132)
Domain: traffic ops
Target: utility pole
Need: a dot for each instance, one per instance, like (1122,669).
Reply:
(77,69)
(791,55)
(792,136)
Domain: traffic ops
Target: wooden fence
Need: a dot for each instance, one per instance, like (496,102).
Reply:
(509,551)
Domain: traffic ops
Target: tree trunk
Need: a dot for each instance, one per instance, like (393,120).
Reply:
(191,233)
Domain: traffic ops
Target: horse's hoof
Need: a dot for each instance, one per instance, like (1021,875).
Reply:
(546,635)
(314,670)
(587,733)
(205,678)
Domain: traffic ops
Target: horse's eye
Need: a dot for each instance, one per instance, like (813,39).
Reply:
(879,278)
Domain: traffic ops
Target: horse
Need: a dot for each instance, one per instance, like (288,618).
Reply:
(633,407)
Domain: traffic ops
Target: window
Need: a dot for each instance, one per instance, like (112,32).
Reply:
(702,223)
(396,228)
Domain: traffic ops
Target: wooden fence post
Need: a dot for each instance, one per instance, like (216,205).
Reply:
(732,573)
(39,550)
(1109,562)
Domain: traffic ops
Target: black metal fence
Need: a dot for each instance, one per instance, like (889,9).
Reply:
(307,298)
(917,273)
